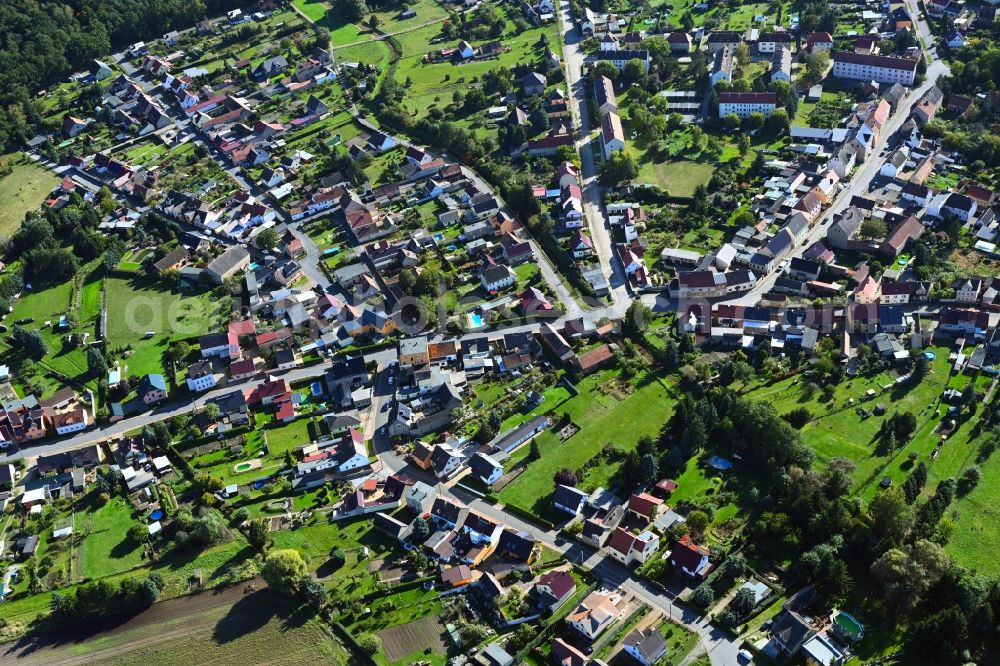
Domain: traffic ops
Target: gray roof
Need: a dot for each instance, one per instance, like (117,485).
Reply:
(648,642)
(228,260)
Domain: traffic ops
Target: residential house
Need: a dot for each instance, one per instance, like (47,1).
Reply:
(202,375)
(485,468)
(967,290)
(221,345)
(497,277)
(152,388)
(612,134)
(569,499)
(554,588)
(228,264)
(593,615)
(722,66)
(680,42)
(420,498)
(644,506)
(881,69)
(565,654)
(533,84)
(604,94)
(628,548)
(819,41)
(647,646)
(900,237)
(690,558)
(747,103)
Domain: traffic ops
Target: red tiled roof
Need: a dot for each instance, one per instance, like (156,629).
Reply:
(243,327)
(621,540)
(887,62)
(559,582)
(687,554)
(567,655)
(644,503)
(595,356)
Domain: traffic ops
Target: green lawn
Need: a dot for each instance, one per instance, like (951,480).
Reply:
(288,436)
(435,82)
(215,566)
(106,549)
(22,191)
(47,303)
(139,305)
(315,542)
(677,177)
(390,21)
(841,432)
(603,419)
(679,640)
(314,9)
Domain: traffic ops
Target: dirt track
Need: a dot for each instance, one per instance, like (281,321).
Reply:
(82,645)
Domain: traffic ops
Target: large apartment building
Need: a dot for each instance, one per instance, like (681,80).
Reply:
(865,67)
(743,104)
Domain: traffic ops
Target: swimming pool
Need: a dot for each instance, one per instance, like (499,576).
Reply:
(475,320)
(156,515)
(850,625)
(439,237)
(718,462)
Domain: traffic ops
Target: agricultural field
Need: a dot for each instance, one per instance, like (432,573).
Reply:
(140,305)
(607,411)
(408,624)
(213,566)
(238,625)
(22,190)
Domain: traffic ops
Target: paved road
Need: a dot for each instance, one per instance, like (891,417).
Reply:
(857,186)
(593,192)
(721,647)
(159,413)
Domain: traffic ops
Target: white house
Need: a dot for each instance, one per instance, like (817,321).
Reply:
(967,290)
(497,278)
(71,421)
(612,133)
(465,49)
(485,468)
(569,499)
(689,557)
(722,66)
(745,103)
(202,376)
(646,646)
(595,613)
(951,203)
(628,548)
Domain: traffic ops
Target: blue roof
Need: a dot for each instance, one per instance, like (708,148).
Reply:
(156,381)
